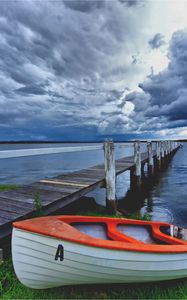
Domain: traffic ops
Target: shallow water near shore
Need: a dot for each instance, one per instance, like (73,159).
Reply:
(166,200)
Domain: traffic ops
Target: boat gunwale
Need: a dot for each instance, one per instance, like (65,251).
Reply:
(59,227)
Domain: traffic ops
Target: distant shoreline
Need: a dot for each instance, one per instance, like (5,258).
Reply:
(56,142)
(73,142)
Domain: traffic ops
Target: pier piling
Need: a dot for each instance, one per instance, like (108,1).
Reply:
(158,156)
(110,175)
(138,165)
(150,158)
(162,154)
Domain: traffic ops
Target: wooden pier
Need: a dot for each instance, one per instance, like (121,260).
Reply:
(58,192)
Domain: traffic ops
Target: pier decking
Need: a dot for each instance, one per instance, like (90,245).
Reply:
(58,192)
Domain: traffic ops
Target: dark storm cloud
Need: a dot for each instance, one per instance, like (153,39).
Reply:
(61,62)
(84,5)
(140,100)
(164,95)
(65,66)
(157,41)
(30,89)
(131,2)
(87,6)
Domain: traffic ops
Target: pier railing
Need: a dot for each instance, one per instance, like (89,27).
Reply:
(156,153)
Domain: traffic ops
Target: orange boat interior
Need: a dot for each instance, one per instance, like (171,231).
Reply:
(110,233)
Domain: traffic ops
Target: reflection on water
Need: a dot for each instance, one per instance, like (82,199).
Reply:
(166,198)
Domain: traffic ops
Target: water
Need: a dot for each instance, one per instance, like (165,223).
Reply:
(169,196)
(25,170)
(166,201)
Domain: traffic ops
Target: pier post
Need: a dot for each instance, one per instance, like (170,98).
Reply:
(172,146)
(168,152)
(158,156)
(162,153)
(150,158)
(137,161)
(165,149)
(110,175)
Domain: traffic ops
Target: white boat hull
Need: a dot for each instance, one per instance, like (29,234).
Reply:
(36,267)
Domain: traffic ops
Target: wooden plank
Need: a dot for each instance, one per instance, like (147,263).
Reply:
(15,202)
(124,162)
(90,175)
(3,221)
(9,215)
(14,206)
(84,178)
(57,188)
(97,167)
(46,196)
(72,179)
(64,183)
(124,165)
(22,198)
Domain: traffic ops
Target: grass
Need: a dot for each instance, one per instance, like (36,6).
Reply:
(11,288)
(5,187)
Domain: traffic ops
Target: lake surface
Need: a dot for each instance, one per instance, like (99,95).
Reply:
(166,201)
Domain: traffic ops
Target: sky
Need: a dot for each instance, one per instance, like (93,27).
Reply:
(86,70)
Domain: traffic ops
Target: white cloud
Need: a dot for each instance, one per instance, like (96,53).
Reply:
(128,108)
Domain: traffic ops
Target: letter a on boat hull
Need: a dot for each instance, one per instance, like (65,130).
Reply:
(59,253)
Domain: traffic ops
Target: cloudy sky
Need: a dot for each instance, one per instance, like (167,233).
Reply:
(82,69)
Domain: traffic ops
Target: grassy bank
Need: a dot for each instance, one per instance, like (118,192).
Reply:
(11,288)
(5,187)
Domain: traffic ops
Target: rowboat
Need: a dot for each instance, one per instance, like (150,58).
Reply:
(71,250)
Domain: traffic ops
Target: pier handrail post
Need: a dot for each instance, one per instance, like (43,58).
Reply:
(165,149)
(168,147)
(158,156)
(137,161)
(172,146)
(110,175)
(170,150)
(150,157)
(162,153)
